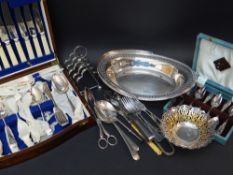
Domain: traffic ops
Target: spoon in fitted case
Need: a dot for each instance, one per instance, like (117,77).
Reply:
(12,143)
(200,93)
(62,85)
(216,102)
(37,98)
(222,127)
(59,114)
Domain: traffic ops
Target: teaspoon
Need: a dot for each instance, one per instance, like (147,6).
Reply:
(199,94)
(216,102)
(226,105)
(223,125)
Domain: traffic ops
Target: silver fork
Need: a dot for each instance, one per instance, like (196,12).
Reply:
(131,109)
(141,107)
(60,116)
(146,128)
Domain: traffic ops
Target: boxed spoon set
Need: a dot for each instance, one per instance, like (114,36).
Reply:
(213,92)
(40,106)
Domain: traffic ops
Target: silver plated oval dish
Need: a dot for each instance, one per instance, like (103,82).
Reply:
(144,75)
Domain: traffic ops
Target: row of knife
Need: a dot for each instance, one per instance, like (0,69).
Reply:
(22,35)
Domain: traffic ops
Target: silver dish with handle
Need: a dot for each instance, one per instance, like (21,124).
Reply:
(144,75)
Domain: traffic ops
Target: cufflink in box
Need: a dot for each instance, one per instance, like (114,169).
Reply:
(40,106)
(213,62)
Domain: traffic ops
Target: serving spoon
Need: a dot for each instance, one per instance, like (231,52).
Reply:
(37,98)
(108,115)
(62,85)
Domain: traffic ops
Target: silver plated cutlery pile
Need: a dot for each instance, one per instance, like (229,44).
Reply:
(105,112)
(131,118)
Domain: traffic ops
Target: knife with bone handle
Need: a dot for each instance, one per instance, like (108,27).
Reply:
(23,31)
(32,30)
(10,26)
(3,58)
(40,27)
(5,39)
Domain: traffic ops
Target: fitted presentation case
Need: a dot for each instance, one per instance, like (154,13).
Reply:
(34,67)
(213,62)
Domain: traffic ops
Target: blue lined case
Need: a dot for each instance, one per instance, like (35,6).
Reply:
(209,49)
(30,63)
(47,59)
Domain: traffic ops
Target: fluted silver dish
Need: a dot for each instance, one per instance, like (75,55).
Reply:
(143,75)
(188,127)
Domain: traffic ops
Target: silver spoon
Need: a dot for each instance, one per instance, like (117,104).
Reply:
(62,85)
(212,124)
(216,102)
(200,93)
(105,138)
(60,116)
(9,135)
(37,98)
(208,98)
(109,116)
(116,105)
(226,105)
(223,125)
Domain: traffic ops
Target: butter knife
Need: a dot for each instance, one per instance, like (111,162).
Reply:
(5,39)
(40,27)
(32,30)
(23,31)
(12,31)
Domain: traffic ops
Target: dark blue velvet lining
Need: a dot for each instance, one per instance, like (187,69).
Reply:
(6,149)
(18,3)
(11,121)
(44,107)
(26,65)
(36,110)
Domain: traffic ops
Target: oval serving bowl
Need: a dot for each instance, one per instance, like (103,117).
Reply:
(187,127)
(144,75)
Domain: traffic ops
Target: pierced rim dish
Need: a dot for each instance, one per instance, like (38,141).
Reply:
(144,75)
